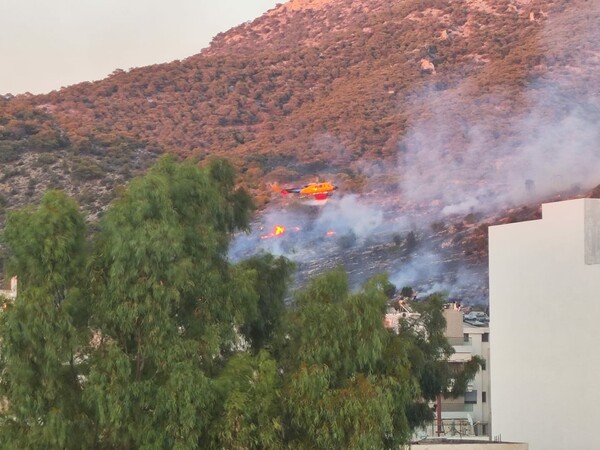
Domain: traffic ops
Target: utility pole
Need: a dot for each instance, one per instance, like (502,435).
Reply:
(438,413)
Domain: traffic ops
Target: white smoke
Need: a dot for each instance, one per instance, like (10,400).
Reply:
(310,231)
(349,214)
(543,153)
(423,266)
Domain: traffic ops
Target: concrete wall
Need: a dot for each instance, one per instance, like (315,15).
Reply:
(545,310)
(454,323)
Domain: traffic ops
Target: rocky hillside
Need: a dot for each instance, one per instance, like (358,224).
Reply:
(429,108)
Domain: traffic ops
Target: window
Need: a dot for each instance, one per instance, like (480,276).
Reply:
(485,337)
(483,397)
(471,397)
(466,337)
(483,364)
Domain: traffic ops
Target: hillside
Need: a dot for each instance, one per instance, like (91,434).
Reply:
(434,108)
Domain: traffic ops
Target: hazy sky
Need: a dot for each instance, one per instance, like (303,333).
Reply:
(47,44)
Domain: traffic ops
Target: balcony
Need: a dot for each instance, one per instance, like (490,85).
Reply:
(460,341)
(457,407)
(457,427)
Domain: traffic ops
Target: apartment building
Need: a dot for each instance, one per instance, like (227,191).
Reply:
(467,415)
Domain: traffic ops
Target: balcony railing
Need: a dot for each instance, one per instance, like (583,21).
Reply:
(456,428)
(455,341)
(457,407)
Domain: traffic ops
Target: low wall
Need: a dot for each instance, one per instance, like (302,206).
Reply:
(448,444)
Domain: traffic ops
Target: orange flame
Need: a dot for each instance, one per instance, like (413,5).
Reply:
(277,231)
(330,233)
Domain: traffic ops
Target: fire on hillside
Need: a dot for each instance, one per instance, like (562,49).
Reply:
(278,230)
(357,235)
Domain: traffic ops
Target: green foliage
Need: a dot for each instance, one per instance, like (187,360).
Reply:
(87,168)
(124,354)
(352,347)
(45,160)
(389,289)
(235,204)
(271,278)
(43,333)
(9,151)
(46,246)
(250,410)
(167,305)
(9,172)
(356,415)
(348,380)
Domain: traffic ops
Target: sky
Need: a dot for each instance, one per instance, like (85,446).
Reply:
(46,45)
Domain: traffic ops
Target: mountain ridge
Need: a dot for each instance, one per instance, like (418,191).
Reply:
(338,54)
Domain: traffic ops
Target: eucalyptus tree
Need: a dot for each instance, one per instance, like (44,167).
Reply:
(249,414)
(347,379)
(272,276)
(43,333)
(167,306)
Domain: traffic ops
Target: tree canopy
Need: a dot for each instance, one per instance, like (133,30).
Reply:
(140,333)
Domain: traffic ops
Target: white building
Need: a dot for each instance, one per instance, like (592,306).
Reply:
(545,305)
(479,397)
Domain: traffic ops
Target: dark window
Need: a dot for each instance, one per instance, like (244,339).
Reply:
(483,364)
(471,397)
(485,337)
(483,397)
(466,337)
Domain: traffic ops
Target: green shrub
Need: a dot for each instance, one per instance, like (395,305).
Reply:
(9,151)
(45,159)
(86,168)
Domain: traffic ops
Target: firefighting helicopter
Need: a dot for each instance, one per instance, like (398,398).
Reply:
(317,190)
